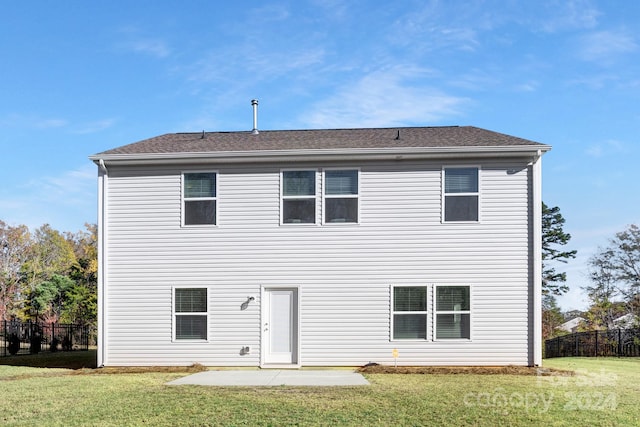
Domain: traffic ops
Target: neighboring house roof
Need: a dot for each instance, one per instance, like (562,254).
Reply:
(629,320)
(410,140)
(571,325)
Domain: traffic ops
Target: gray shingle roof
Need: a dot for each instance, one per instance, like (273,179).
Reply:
(330,139)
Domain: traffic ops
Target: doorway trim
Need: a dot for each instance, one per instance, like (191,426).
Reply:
(295,329)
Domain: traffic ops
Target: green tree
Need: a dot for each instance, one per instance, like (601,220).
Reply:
(51,254)
(46,300)
(81,304)
(552,317)
(48,275)
(553,240)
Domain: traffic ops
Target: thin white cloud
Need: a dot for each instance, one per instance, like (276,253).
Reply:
(51,123)
(93,127)
(565,15)
(603,148)
(606,45)
(155,48)
(17,120)
(475,80)
(530,86)
(63,200)
(333,9)
(595,81)
(258,65)
(136,42)
(71,188)
(34,122)
(270,13)
(432,28)
(385,98)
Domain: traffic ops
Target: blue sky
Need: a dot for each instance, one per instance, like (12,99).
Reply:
(79,77)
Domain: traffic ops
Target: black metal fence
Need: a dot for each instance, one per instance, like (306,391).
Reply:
(33,337)
(612,342)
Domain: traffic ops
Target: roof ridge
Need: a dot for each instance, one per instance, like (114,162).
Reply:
(307,140)
(318,130)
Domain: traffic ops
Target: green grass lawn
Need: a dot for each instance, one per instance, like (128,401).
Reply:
(604,392)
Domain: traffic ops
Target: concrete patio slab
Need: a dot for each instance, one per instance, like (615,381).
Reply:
(273,377)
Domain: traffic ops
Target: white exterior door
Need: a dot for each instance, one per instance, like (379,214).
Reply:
(280,326)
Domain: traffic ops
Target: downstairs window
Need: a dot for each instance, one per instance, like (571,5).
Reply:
(190,313)
(453,312)
(409,313)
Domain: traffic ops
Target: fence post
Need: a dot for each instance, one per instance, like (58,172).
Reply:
(596,350)
(619,342)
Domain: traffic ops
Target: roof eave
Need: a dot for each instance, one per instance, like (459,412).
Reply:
(265,156)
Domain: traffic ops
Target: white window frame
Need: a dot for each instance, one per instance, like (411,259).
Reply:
(185,199)
(326,196)
(444,194)
(436,312)
(394,312)
(175,314)
(311,197)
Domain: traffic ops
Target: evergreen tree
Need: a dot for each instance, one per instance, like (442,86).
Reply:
(553,239)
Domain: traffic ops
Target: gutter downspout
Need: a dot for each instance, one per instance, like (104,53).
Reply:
(536,183)
(103,178)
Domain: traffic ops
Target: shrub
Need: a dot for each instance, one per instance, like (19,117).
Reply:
(36,344)
(67,344)
(14,344)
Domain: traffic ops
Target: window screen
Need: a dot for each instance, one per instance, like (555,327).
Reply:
(190,312)
(461,194)
(199,204)
(299,197)
(453,312)
(409,312)
(341,196)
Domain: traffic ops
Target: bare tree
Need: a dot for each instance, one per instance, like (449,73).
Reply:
(615,270)
(15,250)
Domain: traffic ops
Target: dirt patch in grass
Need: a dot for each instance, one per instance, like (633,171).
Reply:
(192,369)
(461,370)
(107,371)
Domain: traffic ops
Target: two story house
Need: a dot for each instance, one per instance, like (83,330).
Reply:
(332,247)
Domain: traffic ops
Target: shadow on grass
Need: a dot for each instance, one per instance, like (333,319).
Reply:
(62,359)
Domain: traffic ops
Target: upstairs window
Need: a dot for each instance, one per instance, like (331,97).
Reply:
(461,195)
(409,312)
(341,196)
(453,312)
(299,197)
(190,313)
(199,198)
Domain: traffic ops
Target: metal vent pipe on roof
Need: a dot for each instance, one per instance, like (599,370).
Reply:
(254,103)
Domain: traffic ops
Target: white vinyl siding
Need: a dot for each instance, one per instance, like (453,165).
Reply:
(343,273)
